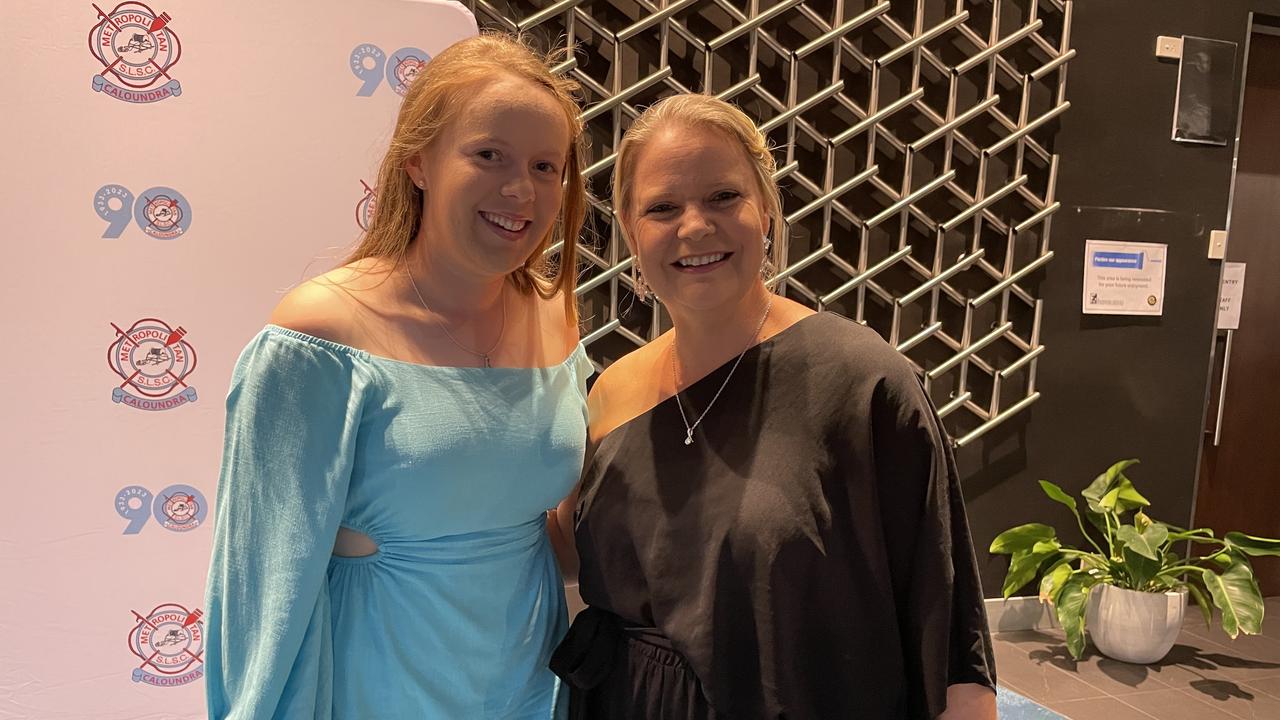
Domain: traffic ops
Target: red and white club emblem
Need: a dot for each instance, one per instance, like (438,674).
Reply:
(153,360)
(169,641)
(181,507)
(162,212)
(366,207)
(137,48)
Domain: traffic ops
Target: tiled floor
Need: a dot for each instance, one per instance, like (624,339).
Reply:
(1207,676)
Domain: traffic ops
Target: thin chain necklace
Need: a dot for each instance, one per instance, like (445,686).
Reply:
(688,438)
(482,355)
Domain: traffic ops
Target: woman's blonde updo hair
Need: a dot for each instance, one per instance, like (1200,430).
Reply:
(697,110)
(431,103)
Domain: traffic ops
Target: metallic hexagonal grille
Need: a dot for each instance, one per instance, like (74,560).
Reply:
(914,148)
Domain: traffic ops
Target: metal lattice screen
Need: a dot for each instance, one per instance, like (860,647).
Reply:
(914,143)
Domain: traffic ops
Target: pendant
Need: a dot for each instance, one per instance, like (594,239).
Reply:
(486,361)
(688,439)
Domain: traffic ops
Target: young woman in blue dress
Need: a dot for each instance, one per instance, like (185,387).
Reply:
(398,431)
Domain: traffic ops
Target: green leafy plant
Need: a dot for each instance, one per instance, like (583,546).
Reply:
(1135,553)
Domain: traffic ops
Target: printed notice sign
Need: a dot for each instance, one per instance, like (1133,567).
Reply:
(1231,295)
(1124,278)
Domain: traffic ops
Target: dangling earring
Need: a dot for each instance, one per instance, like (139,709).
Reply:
(637,281)
(766,265)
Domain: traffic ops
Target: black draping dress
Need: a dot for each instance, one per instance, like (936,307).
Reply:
(807,557)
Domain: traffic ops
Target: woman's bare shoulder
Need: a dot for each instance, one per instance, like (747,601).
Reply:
(327,305)
(629,387)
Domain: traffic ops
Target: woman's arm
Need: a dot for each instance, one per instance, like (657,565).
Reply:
(560,518)
(560,530)
(292,418)
(946,642)
(970,701)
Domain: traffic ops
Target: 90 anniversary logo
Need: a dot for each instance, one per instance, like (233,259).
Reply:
(137,47)
(170,642)
(178,508)
(163,214)
(370,64)
(154,360)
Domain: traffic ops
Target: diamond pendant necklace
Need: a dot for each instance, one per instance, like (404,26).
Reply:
(484,356)
(688,438)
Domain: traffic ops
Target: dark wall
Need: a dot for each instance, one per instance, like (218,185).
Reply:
(1119,387)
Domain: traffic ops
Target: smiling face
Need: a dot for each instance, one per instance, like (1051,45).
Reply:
(492,180)
(696,219)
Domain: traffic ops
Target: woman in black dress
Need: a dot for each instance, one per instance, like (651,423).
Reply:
(769,524)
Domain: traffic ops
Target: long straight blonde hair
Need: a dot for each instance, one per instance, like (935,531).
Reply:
(431,103)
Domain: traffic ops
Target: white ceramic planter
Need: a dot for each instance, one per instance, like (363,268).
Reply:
(1134,627)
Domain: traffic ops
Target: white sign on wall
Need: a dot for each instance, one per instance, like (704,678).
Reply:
(1231,296)
(1122,278)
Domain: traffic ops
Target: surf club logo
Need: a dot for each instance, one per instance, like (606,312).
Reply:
(154,361)
(169,641)
(178,508)
(162,215)
(366,206)
(404,69)
(137,48)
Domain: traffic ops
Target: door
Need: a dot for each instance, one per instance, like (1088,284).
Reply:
(1239,484)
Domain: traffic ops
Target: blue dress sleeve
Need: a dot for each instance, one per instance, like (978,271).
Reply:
(293,413)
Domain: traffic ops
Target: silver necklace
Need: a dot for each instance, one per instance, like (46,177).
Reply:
(688,438)
(482,355)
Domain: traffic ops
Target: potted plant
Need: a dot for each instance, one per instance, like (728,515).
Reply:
(1138,578)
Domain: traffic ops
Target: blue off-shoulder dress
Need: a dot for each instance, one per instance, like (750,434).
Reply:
(450,471)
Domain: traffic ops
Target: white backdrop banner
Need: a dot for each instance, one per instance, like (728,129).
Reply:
(169,171)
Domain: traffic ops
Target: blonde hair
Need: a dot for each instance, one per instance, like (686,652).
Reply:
(431,103)
(698,110)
